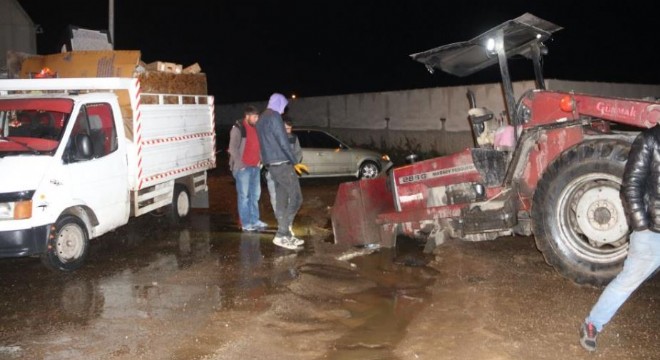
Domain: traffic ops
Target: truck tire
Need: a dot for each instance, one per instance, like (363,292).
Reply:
(67,246)
(578,220)
(180,207)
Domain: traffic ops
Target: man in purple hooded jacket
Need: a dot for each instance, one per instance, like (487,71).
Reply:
(277,156)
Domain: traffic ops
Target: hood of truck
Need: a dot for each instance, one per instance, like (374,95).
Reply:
(23,172)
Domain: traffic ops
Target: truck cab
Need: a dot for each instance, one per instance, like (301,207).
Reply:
(60,155)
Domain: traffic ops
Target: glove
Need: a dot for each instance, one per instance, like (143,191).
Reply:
(301,168)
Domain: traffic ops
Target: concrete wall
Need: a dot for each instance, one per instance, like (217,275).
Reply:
(425,120)
(17,31)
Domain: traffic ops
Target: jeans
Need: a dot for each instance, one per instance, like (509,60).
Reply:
(643,260)
(288,195)
(248,188)
(271,191)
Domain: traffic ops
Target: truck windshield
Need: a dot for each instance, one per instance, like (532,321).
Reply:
(32,126)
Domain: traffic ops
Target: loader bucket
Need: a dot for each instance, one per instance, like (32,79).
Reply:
(356,207)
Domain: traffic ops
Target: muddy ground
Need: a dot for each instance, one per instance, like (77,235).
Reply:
(203,290)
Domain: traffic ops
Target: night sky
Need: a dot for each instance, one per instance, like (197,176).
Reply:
(249,49)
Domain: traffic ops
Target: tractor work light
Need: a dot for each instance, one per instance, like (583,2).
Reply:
(567,104)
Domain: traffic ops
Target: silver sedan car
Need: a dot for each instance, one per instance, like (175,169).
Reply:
(325,156)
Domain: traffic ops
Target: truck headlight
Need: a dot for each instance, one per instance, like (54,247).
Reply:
(16,205)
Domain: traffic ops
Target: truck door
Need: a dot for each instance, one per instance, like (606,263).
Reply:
(99,182)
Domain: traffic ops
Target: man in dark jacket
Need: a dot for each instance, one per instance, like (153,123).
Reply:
(277,156)
(641,201)
(297,152)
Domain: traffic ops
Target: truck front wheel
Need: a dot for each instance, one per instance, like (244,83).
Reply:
(67,245)
(180,206)
(578,218)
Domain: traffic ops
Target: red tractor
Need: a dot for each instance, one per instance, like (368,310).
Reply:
(554,171)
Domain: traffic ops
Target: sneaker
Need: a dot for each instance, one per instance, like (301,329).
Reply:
(296,241)
(588,335)
(284,242)
(249,228)
(260,225)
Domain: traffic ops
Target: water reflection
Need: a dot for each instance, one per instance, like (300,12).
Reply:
(250,259)
(380,315)
(194,241)
(67,300)
(148,285)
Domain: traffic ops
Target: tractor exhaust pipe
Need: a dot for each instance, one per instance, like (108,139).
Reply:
(471,99)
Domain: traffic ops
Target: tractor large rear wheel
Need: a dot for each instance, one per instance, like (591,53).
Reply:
(578,218)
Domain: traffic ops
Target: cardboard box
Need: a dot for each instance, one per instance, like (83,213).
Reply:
(117,63)
(193,69)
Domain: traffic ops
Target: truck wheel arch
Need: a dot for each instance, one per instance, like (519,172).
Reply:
(85,214)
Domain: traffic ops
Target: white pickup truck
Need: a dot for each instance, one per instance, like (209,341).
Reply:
(80,156)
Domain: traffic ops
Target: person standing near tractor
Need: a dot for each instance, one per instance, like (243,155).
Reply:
(297,152)
(245,165)
(641,201)
(279,160)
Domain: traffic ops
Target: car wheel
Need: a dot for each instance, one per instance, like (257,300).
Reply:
(368,170)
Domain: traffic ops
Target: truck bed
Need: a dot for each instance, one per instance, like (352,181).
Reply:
(173,140)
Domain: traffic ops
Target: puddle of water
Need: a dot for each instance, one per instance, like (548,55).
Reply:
(136,269)
(10,352)
(149,271)
(380,315)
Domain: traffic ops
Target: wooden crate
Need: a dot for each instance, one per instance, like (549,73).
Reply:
(163,66)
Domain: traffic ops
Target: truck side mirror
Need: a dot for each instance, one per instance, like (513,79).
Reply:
(83,147)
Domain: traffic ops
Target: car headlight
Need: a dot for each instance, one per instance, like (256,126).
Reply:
(385,157)
(16,205)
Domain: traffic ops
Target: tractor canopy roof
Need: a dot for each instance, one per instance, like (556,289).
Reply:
(467,57)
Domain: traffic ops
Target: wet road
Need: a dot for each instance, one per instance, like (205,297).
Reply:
(152,290)
(202,290)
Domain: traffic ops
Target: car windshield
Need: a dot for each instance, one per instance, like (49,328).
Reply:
(32,126)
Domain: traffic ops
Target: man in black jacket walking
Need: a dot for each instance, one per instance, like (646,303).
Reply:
(641,201)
